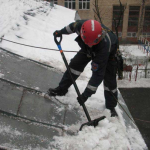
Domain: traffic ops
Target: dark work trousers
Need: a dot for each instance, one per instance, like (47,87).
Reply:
(77,65)
(110,84)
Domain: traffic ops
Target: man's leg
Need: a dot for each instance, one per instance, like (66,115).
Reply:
(110,85)
(77,66)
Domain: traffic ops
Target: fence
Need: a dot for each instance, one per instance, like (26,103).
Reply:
(144,45)
(136,67)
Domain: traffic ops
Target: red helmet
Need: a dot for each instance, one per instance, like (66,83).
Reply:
(91,32)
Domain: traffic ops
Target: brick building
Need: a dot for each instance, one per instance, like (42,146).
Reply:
(135,20)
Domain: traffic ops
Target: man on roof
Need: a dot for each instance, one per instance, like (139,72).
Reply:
(98,45)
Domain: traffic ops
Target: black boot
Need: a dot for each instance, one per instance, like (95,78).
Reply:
(57,92)
(113,112)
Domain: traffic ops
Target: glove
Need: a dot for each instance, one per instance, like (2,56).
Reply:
(82,99)
(57,33)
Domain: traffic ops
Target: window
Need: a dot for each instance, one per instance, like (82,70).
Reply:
(146,34)
(84,4)
(133,19)
(146,27)
(116,17)
(71,4)
(131,34)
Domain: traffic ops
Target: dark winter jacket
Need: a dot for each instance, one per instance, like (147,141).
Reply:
(101,53)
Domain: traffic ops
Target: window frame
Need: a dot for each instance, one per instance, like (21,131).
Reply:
(71,4)
(116,14)
(146,34)
(85,4)
(132,34)
(133,19)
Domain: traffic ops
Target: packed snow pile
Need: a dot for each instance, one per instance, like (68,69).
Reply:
(33,22)
(132,50)
(109,135)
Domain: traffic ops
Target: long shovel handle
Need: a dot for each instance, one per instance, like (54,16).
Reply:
(68,68)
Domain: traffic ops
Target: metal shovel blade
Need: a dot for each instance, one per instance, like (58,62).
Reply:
(93,122)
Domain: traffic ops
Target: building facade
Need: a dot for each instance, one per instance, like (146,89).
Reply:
(134,22)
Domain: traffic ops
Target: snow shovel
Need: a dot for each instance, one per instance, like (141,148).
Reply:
(90,122)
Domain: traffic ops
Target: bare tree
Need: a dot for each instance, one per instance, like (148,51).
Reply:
(117,24)
(141,18)
(97,11)
(98,15)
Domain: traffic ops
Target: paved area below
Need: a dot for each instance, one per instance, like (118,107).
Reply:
(138,102)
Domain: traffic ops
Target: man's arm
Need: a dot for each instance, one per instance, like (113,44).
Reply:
(69,29)
(73,27)
(66,30)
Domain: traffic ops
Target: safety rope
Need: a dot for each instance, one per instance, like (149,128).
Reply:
(27,59)
(121,106)
(66,51)
(30,89)
(125,111)
(35,46)
(142,120)
(27,119)
(23,86)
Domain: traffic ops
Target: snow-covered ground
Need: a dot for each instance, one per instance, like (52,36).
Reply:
(33,22)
